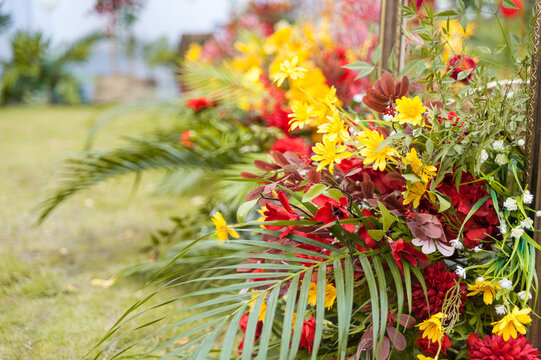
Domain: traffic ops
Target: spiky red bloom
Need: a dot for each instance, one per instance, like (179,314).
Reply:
(430,348)
(293,144)
(493,347)
(438,281)
(199,104)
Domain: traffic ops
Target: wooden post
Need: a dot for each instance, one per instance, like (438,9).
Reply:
(533,156)
(390,35)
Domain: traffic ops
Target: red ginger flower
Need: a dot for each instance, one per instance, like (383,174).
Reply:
(430,348)
(296,145)
(403,250)
(277,213)
(511,13)
(493,347)
(438,281)
(308,334)
(330,210)
(199,104)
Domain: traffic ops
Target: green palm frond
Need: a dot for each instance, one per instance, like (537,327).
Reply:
(221,83)
(223,290)
(79,50)
(214,149)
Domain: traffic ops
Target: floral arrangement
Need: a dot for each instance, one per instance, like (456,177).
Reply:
(405,231)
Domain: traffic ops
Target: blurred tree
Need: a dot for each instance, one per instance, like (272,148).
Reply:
(38,73)
(5,19)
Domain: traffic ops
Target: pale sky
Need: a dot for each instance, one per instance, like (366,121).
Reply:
(66,20)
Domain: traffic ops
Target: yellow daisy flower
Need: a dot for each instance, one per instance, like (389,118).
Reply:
(334,129)
(512,323)
(262,309)
(414,193)
(303,113)
(370,141)
(432,328)
(486,287)
(409,111)
(328,153)
(330,295)
(194,53)
(289,69)
(425,172)
(222,230)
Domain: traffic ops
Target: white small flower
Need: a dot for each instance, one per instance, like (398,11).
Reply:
(500,309)
(527,197)
(480,279)
(538,213)
(510,204)
(457,244)
(521,142)
(483,156)
(460,271)
(498,145)
(358,98)
(505,283)
(522,295)
(388,117)
(527,223)
(503,228)
(500,159)
(517,232)
(478,249)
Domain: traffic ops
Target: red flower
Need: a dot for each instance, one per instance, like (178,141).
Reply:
(243,322)
(407,251)
(431,348)
(185,139)
(308,334)
(277,213)
(438,281)
(330,210)
(296,145)
(459,64)
(493,347)
(484,221)
(199,104)
(511,13)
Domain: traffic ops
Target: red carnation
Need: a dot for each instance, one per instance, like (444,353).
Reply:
(493,347)
(459,64)
(511,13)
(330,210)
(296,145)
(199,104)
(430,348)
(308,334)
(438,281)
(403,250)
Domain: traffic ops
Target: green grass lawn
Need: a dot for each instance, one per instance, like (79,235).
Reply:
(49,306)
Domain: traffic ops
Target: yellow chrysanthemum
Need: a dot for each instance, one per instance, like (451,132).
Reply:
(194,52)
(425,172)
(275,41)
(335,129)
(512,323)
(303,113)
(370,141)
(330,295)
(222,229)
(289,69)
(432,328)
(328,153)
(262,309)
(454,37)
(414,193)
(486,287)
(409,111)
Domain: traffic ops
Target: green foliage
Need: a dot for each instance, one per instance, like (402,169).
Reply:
(5,20)
(160,53)
(36,71)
